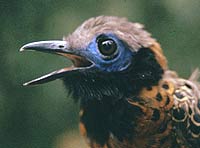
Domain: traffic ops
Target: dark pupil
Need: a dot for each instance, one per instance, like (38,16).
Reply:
(107,47)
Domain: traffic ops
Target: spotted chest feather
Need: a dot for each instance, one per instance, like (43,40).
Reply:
(186,110)
(155,127)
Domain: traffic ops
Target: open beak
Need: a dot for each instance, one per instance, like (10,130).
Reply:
(80,62)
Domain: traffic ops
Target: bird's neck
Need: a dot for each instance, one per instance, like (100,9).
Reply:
(104,97)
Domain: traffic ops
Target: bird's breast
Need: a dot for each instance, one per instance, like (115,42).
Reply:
(141,121)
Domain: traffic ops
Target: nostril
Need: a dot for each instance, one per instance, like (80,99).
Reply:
(61,46)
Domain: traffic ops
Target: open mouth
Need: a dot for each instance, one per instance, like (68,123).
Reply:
(80,63)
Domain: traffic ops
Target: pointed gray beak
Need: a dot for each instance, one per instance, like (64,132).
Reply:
(53,46)
(60,48)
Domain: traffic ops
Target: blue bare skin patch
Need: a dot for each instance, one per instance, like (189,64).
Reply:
(119,62)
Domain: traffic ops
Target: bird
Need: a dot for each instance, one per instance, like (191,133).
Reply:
(128,96)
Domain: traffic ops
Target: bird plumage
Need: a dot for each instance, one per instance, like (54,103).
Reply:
(128,96)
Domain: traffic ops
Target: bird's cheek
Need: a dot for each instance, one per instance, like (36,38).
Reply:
(108,68)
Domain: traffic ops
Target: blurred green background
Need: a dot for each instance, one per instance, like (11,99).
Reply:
(45,116)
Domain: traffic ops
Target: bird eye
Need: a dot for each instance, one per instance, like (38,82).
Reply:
(107,46)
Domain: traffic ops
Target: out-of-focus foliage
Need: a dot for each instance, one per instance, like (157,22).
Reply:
(45,116)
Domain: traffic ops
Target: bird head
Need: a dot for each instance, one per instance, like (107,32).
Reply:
(110,55)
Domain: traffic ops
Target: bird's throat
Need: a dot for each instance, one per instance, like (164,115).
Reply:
(103,118)
(94,84)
